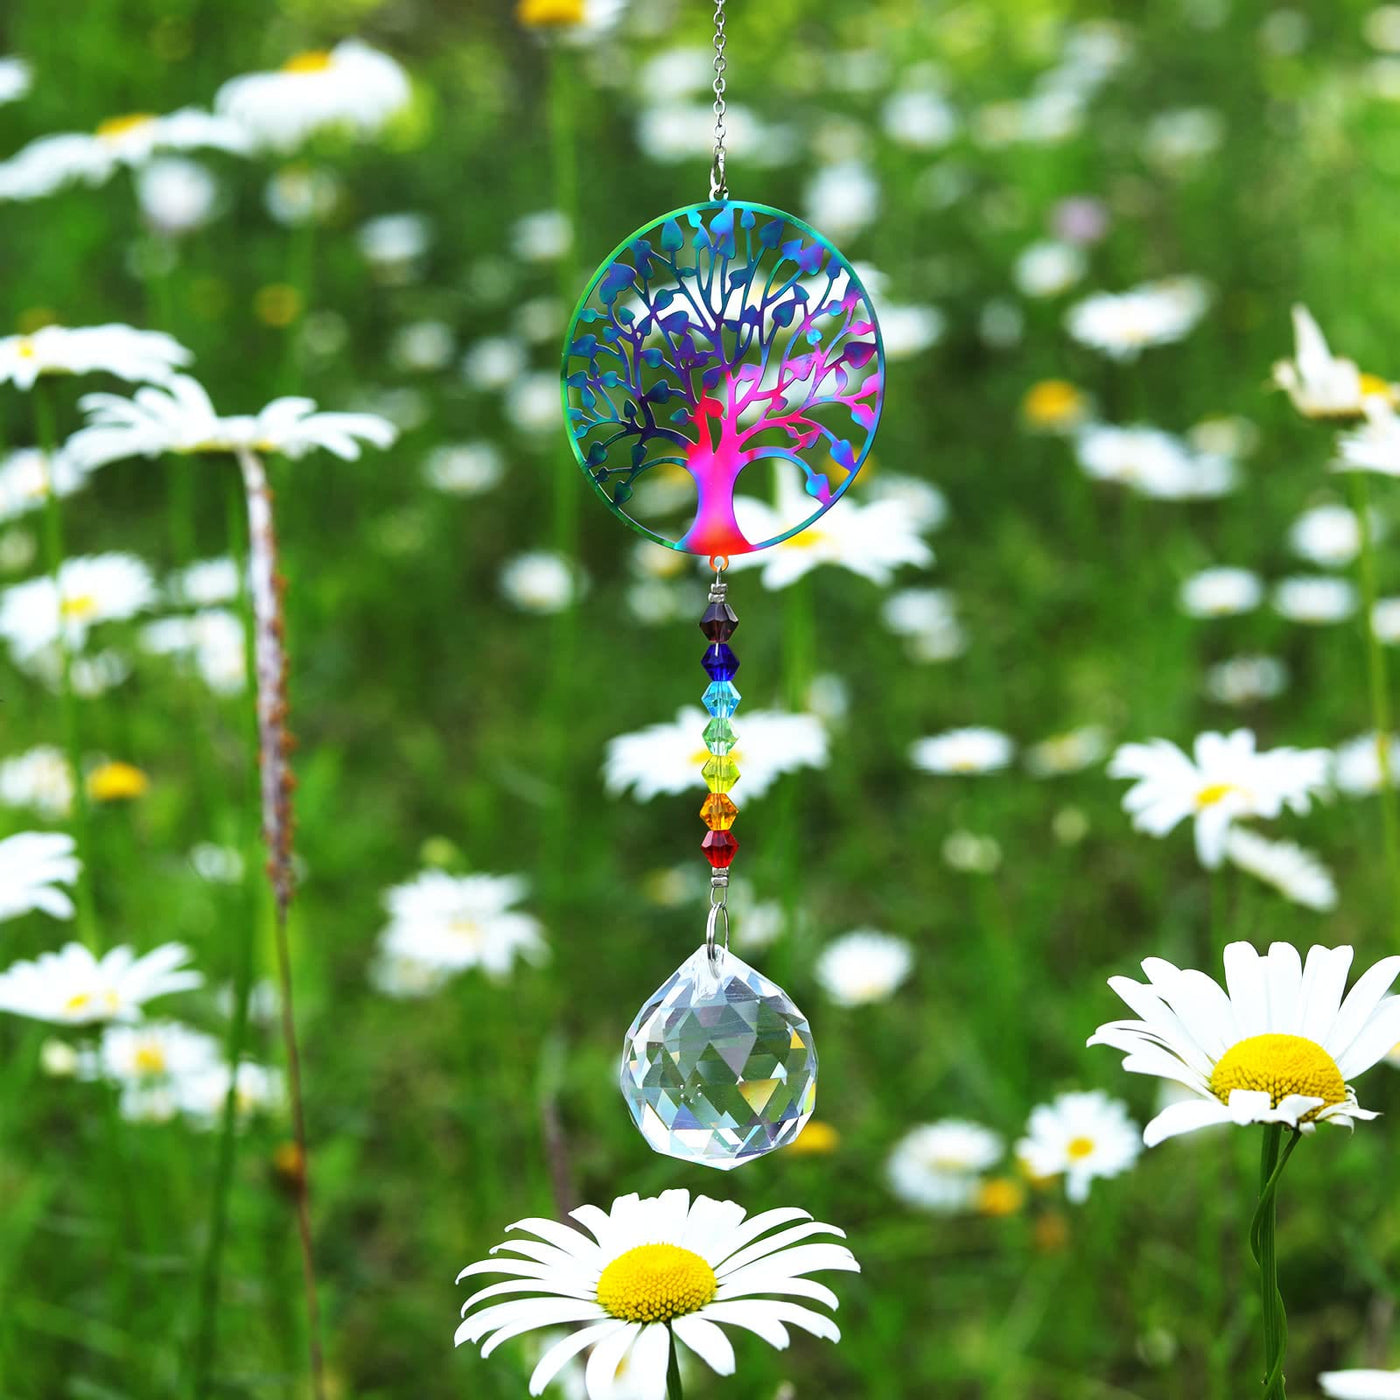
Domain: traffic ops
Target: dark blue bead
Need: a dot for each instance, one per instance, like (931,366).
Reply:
(720,663)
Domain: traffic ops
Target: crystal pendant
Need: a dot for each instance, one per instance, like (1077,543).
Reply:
(719,1066)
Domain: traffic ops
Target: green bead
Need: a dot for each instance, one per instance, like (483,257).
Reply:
(719,735)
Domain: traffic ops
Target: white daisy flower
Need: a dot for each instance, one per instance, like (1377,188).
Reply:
(394,244)
(464,468)
(1356,764)
(842,198)
(139,357)
(1279,1046)
(27,476)
(1080,1137)
(494,364)
(1047,269)
(72,987)
(651,1274)
(1316,601)
(1121,325)
(906,331)
(1385,620)
(76,157)
(91,589)
(970,853)
(205,584)
(152,1050)
(350,87)
(542,582)
(542,237)
(33,866)
(668,757)
(1360,1385)
(1226,780)
(927,619)
(180,418)
(1375,445)
(1330,536)
(864,966)
(970,750)
(1295,873)
(1070,752)
(1244,680)
(919,119)
(1152,462)
(302,194)
(1221,592)
(177,196)
(39,779)
(201,1095)
(213,640)
(422,347)
(872,540)
(16,78)
(449,923)
(938,1166)
(1320,384)
(924,504)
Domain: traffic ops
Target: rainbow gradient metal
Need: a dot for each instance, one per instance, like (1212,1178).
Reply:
(720,335)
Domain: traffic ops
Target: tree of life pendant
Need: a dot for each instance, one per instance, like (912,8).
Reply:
(723,345)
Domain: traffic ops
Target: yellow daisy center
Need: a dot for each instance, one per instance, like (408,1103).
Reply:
(116,781)
(1374,385)
(656,1282)
(312,61)
(78,608)
(550,11)
(1079,1148)
(1052,402)
(1213,793)
(1279,1065)
(114,128)
(808,539)
(77,1004)
(149,1059)
(468,930)
(26,349)
(999,1196)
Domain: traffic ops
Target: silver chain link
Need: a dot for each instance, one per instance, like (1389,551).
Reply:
(719,187)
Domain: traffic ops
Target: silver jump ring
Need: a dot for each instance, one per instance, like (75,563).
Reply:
(715,911)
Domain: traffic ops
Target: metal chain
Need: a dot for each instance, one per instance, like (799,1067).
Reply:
(719,187)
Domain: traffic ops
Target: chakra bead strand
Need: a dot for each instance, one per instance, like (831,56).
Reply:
(721,699)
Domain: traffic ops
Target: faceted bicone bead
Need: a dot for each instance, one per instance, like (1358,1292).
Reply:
(721,772)
(720,848)
(721,699)
(720,663)
(719,622)
(718,811)
(719,1066)
(719,736)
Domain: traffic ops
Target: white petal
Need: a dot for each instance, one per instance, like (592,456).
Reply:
(573,1242)
(1251,1106)
(1361,1001)
(1377,1039)
(706,1341)
(1324,981)
(536,1286)
(755,1281)
(1184,1117)
(1360,1385)
(563,1351)
(818,1324)
(1293,1107)
(601,1374)
(1284,976)
(752,1228)
(1244,980)
(531,1312)
(521,1268)
(806,1258)
(743,1314)
(773,1243)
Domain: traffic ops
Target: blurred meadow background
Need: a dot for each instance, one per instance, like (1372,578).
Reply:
(469,632)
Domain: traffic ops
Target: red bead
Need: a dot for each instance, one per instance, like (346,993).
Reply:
(719,848)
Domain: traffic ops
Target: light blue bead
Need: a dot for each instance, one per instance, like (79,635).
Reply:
(721,699)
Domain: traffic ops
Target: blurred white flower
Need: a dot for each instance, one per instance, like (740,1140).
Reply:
(863,966)
(147,1057)
(1080,1137)
(1382,28)
(919,119)
(872,540)
(1183,138)
(1356,764)
(27,475)
(441,924)
(928,621)
(1361,1385)
(58,1059)
(94,674)
(33,867)
(1121,325)
(679,131)
(350,87)
(212,639)
(1221,592)
(1295,873)
(1224,435)
(1244,680)
(464,468)
(394,244)
(1375,446)
(938,1166)
(1070,752)
(74,987)
(302,194)
(968,751)
(971,854)
(494,363)
(70,158)
(674,73)
(180,418)
(18,550)
(422,347)
(139,357)
(668,757)
(906,331)
(842,199)
(205,583)
(1047,269)
(1320,384)
(921,501)
(541,582)
(1226,780)
(219,865)
(533,405)
(1152,462)
(1001,323)
(91,589)
(1385,620)
(1316,600)
(16,79)
(201,1096)
(1330,536)
(176,195)
(542,237)
(40,780)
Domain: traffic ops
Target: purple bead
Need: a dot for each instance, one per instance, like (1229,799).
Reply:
(719,622)
(720,663)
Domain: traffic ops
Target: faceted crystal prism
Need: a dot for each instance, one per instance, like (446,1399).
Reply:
(719,1066)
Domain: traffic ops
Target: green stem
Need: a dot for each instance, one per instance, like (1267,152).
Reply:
(1262,1244)
(1379,686)
(673,1372)
(46,437)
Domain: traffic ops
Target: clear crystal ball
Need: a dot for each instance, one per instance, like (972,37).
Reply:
(719,1066)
